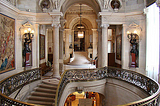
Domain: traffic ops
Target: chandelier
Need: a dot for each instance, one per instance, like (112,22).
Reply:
(80,32)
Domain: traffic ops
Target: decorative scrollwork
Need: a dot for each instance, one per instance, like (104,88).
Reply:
(80,75)
(13,83)
(137,79)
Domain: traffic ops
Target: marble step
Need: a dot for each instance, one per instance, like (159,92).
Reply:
(41,103)
(44,99)
(43,94)
(48,86)
(44,90)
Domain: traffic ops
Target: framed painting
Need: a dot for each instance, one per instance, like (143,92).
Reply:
(118,46)
(42,46)
(7,43)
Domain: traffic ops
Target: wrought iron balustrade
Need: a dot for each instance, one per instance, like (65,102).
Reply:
(148,85)
(15,82)
(77,75)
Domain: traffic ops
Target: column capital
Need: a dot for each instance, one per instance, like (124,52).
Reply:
(67,29)
(104,25)
(56,25)
(124,25)
(94,29)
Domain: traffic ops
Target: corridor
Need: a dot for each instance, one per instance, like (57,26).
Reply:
(80,61)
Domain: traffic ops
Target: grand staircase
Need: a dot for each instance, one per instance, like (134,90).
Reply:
(44,93)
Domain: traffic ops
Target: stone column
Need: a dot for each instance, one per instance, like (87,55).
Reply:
(125,48)
(104,60)
(95,38)
(55,65)
(99,42)
(99,47)
(35,49)
(18,46)
(61,67)
(67,33)
(72,33)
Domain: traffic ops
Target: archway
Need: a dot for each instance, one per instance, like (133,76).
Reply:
(89,15)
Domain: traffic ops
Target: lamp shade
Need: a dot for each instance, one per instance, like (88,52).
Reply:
(80,34)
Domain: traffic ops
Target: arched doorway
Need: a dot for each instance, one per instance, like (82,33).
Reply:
(79,42)
(89,15)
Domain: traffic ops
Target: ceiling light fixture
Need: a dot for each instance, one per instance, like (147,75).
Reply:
(80,33)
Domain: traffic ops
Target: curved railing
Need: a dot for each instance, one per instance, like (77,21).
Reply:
(148,85)
(15,82)
(75,75)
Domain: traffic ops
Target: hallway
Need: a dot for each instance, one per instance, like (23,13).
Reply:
(80,61)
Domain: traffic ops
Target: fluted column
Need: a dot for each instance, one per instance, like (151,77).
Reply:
(104,61)
(95,38)
(55,65)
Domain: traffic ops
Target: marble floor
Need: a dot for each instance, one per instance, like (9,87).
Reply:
(80,61)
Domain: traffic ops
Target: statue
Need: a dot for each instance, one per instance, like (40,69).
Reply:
(134,51)
(27,41)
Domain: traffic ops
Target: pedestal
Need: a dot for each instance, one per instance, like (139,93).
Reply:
(27,60)
(133,63)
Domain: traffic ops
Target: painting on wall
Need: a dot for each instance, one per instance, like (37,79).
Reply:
(42,46)
(118,46)
(7,43)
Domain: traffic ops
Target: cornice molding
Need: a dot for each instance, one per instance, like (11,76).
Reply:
(55,13)
(120,14)
(9,5)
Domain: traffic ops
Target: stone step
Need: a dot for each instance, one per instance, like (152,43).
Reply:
(43,94)
(45,90)
(41,103)
(44,99)
(51,82)
(48,86)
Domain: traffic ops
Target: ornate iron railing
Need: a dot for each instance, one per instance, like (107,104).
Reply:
(132,77)
(11,84)
(139,80)
(75,75)
(15,82)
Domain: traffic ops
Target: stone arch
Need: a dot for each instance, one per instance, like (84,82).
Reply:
(91,86)
(75,22)
(65,4)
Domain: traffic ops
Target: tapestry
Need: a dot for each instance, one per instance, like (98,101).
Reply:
(7,43)
(42,47)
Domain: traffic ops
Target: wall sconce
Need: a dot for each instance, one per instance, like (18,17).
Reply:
(133,34)
(28,36)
